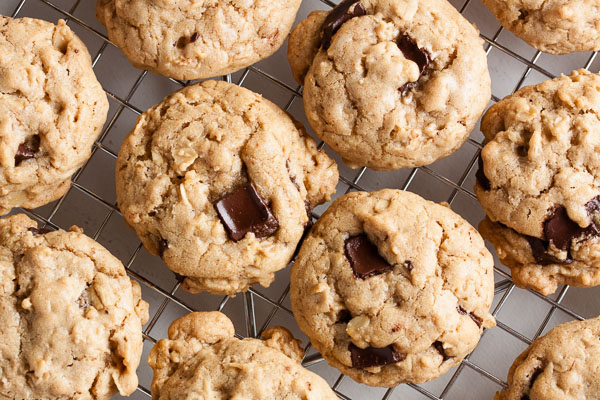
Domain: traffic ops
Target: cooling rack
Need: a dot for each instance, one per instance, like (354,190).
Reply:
(521,315)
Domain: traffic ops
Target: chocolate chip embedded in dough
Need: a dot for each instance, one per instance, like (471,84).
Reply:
(373,356)
(243,211)
(39,231)
(364,257)
(342,13)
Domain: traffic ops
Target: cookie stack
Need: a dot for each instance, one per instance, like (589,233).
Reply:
(221,184)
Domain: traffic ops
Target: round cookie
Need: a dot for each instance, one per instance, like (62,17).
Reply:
(392,288)
(391,83)
(553,26)
(197,39)
(70,318)
(52,109)
(540,182)
(563,365)
(203,356)
(220,182)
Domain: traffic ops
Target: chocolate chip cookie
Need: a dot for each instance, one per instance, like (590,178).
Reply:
(391,84)
(70,318)
(203,356)
(52,109)
(220,182)
(556,26)
(392,288)
(196,39)
(563,365)
(539,182)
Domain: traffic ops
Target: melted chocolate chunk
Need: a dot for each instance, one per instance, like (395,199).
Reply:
(342,13)
(373,357)
(243,211)
(27,149)
(364,257)
(343,317)
(539,248)
(163,245)
(408,265)
(560,230)
(482,180)
(440,348)
(194,37)
(413,53)
(39,231)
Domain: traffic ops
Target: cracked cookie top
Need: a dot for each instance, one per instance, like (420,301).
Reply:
(52,108)
(553,26)
(391,83)
(220,182)
(392,288)
(562,365)
(71,319)
(197,39)
(203,356)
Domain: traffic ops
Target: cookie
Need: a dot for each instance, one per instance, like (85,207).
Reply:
(556,27)
(203,356)
(539,182)
(70,318)
(392,288)
(197,39)
(391,83)
(563,365)
(52,109)
(220,182)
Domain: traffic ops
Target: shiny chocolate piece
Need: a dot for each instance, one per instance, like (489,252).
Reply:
(440,348)
(409,266)
(413,53)
(342,13)
(560,230)
(194,37)
(373,356)
(39,231)
(539,248)
(27,149)
(243,211)
(364,257)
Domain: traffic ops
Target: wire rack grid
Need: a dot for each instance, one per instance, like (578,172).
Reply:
(91,203)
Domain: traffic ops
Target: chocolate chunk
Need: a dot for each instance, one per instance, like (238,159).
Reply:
(373,356)
(364,257)
(593,206)
(560,230)
(482,180)
(539,248)
(413,53)
(440,348)
(342,13)
(344,316)
(408,265)
(39,231)
(194,37)
(163,245)
(474,317)
(27,149)
(243,211)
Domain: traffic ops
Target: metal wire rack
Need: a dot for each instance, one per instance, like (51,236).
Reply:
(521,315)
